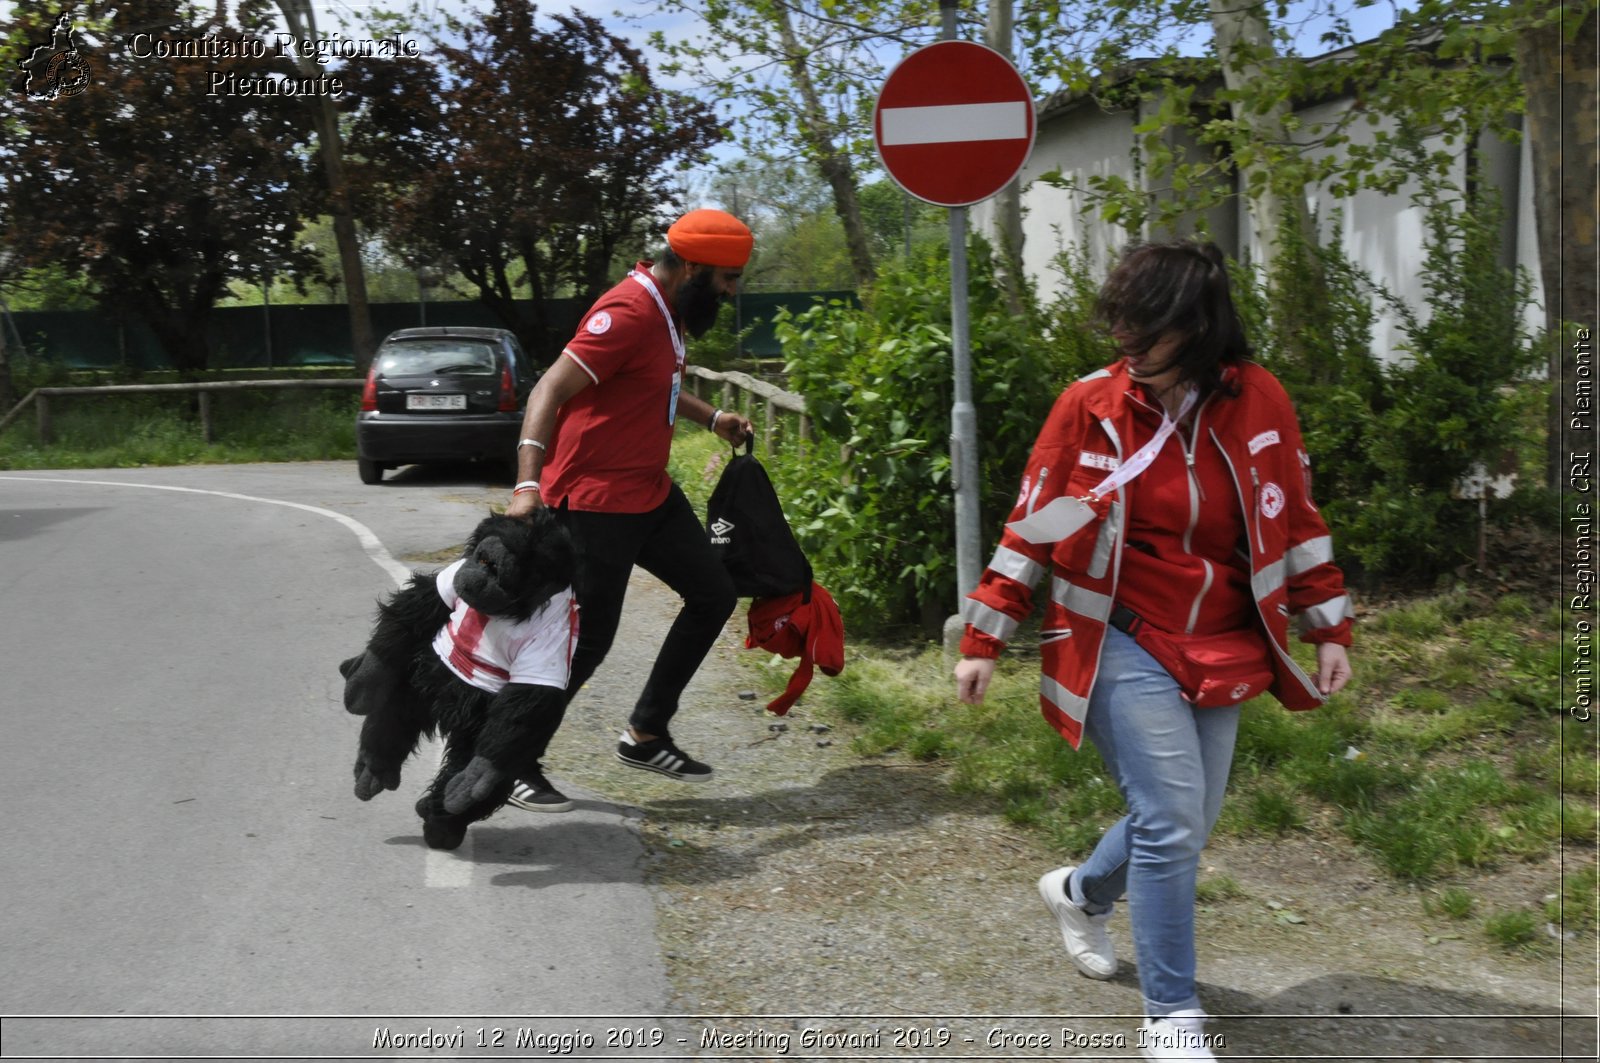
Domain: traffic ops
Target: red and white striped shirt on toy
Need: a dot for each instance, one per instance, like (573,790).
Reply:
(491,651)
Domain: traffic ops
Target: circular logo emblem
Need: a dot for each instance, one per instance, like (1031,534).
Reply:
(67,75)
(1238,692)
(599,323)
(1271,499)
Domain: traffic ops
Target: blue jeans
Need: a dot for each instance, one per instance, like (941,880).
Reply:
(1170,760)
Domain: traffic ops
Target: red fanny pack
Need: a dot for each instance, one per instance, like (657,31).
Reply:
(1211,670)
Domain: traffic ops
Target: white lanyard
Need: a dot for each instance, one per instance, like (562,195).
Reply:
(1146,454)
(677,342)
(1064,516)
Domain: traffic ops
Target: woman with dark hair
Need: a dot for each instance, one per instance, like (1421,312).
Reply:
(1169,496)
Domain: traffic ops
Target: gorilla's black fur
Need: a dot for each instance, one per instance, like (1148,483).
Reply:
(404,690)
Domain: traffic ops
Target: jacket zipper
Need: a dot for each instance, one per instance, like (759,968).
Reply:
(1283,654)
(1255,514)
(1116,558)
(1196,496)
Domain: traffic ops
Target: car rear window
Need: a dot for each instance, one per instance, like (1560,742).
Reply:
(437,356)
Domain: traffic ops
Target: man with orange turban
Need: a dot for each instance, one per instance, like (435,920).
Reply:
(596,436)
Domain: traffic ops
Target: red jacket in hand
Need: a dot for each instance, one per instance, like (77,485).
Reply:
(791,626)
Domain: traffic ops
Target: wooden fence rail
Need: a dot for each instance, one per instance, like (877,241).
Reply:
(40,398)
(751,390)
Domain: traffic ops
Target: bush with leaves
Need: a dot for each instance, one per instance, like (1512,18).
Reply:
(1454,401)
(1311,324)
(871,498)
(1392,444)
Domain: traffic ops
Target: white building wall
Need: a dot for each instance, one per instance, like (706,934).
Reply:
(1527,238)
(1382,233)
(1084,143)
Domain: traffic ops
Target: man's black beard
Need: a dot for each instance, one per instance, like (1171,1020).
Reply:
(697,304)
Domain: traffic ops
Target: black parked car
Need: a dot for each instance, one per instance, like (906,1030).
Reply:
(442,394)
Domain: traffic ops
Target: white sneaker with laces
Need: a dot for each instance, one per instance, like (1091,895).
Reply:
(1180,1035)
(1088,944)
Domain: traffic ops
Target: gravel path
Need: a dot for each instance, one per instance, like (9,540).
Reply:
(805,889)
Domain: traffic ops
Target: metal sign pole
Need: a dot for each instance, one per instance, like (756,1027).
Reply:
(963,414)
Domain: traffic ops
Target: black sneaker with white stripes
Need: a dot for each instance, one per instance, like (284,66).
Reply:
(534,793)
(660,755)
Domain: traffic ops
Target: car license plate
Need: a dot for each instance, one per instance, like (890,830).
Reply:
(436,402)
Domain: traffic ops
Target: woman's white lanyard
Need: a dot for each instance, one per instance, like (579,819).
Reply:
(1146,454)
(1064,516)
(677,341)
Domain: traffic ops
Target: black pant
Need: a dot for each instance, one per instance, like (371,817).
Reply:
(670,543)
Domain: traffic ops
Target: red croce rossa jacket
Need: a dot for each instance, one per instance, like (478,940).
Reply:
(1089,431)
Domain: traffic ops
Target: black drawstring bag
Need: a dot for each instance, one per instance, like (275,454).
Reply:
(747,529)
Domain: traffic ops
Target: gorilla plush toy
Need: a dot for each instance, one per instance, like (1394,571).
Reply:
(480,654)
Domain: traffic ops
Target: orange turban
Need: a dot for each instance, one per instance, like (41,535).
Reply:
(711,238)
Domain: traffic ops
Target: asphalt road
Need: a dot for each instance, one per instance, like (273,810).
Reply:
(180,836)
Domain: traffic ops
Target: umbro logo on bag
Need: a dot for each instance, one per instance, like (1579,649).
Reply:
(719,531)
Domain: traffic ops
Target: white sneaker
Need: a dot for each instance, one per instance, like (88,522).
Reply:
(1085,935)
(1180,1035)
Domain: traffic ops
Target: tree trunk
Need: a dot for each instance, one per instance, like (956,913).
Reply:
(1008,201)
(1288,240)
(1557,64)
(302,23)
(8,391)
(833,162)
(1244,46)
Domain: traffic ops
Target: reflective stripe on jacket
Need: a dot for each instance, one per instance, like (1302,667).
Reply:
(1088,431)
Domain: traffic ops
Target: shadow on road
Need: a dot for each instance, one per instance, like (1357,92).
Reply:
(446,474)
(872,799)
(19,524)
(1358,1016)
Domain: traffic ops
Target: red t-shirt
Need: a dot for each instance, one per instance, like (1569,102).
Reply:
(1183,570)
(609,454)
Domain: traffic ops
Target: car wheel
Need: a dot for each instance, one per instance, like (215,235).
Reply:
(371,472)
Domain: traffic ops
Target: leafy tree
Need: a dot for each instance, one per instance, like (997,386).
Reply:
(900,225)
(999,33)
(526,158)
(800,242)
(1556,51)
(155,189)
(1454,406)
(805,74)
(46,288)
(1448,72)
(1425,76)
(298,15)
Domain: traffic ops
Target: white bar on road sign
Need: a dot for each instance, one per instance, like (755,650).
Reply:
(955,122)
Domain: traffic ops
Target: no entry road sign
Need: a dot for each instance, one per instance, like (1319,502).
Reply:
(954,123)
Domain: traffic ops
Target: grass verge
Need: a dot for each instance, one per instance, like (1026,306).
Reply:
(125,431)
(1448,752)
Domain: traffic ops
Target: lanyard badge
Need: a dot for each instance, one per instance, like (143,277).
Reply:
(677,343)
(1064,516)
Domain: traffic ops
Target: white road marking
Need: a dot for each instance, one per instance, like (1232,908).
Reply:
(443,869)
(369,542)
